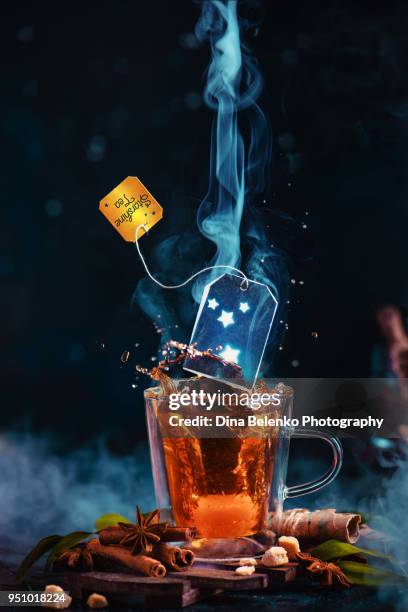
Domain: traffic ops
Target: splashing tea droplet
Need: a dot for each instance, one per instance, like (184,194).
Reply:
(125,356)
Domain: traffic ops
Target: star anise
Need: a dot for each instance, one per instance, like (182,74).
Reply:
(146,532)
(76,558)
(328,571)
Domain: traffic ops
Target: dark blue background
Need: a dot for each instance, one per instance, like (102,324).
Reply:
(93,92)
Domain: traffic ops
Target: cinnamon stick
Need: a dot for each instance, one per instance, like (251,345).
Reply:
(173,557)
(114,535)
(178,534)
(121,558)
(318,526)
(78,558)
(111,535)
(188,556)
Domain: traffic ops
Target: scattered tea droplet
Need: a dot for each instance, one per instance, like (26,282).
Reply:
(295,363)
(153,358)
(125,356)
(315,334)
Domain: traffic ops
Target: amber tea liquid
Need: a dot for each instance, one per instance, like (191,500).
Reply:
(228,485)
(220,486)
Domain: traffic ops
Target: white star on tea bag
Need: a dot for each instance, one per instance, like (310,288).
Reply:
(244,307)
(213,304)
(226,318)
(230,354)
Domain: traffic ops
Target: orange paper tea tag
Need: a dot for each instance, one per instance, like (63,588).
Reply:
(128,205)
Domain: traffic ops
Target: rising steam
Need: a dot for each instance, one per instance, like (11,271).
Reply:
(228,215)
(238,169)
(219,216)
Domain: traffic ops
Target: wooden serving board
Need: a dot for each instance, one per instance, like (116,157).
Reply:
(151,592)
(276,575)
(215,578)
(177,589)
(280,575)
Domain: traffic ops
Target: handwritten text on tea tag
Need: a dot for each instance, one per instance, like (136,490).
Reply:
(128,205)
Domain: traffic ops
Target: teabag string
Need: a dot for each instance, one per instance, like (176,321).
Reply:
(234,320)
(245,280)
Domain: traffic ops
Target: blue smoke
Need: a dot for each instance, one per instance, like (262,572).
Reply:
(238,170)
(238,173)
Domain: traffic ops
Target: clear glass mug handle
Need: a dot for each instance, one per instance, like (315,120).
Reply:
(329,476)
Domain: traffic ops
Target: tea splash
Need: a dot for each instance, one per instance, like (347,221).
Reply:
(171,359)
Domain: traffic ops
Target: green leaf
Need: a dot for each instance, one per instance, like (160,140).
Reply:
(68,541)
(36,553)
(362,574)
(110,520)
(334,549)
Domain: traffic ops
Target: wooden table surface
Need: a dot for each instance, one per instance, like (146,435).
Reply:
(286,598)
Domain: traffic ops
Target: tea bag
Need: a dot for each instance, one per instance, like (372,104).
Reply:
(234,320)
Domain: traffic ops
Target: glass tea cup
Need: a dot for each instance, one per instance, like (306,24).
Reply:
(222,472)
